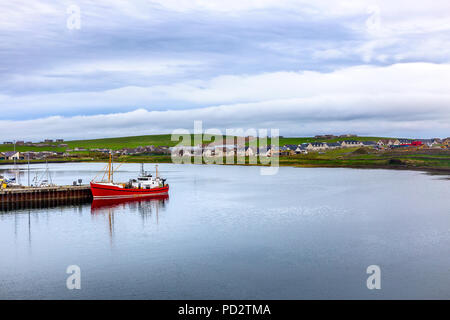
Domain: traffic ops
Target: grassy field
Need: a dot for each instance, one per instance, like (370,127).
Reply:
(156,140)
(284,141)
(125,142)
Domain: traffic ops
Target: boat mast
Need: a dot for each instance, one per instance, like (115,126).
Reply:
(109,166)
(28,168)
(15,164)
(156,174)
(112,167)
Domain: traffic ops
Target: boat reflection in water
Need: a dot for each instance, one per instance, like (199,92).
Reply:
(145,207)
(140,204)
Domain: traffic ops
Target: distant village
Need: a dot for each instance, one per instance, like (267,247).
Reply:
(212,150)
(50,144)
(305,148)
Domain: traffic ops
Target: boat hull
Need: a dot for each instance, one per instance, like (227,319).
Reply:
(105,191)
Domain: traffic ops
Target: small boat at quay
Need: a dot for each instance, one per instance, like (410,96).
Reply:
(145,185)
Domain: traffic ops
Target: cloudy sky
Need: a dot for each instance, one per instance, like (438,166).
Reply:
(371,67)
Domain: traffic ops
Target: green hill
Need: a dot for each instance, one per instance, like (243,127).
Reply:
(156,140)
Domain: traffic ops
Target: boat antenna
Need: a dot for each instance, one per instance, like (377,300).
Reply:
(142,169)
(156,174)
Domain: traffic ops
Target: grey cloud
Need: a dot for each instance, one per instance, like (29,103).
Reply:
(183,58)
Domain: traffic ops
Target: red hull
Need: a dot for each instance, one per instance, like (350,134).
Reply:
(105,191)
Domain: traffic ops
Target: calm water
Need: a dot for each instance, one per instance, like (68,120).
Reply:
(227,232)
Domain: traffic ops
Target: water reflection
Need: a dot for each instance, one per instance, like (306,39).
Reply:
(42,204)
(144,207)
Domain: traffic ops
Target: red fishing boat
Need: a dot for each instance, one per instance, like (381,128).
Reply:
(145,185)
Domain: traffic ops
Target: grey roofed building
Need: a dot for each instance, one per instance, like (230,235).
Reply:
(318,144)
(428,142)
(291,146)
(334,145)
(369,143)
(9,153)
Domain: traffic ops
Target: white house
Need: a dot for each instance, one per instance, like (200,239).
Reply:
(208,152)
(12,155)
(301,149)
(265,151)
(351,144)
(316,146)
(250,151)
(384,142)
(231,152)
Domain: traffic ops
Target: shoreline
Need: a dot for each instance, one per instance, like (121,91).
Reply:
(429,170)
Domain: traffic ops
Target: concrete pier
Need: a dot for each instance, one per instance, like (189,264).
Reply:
(12,197)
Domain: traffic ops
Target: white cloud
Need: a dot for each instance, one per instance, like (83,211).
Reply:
(242,58)
(367,81)
(377,100)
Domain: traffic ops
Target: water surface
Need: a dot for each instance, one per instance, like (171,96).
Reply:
(228,232)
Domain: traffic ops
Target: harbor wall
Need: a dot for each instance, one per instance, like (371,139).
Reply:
(48,195)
